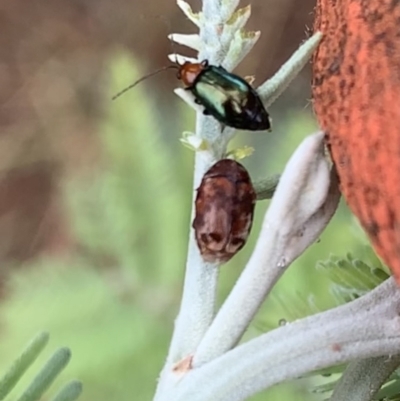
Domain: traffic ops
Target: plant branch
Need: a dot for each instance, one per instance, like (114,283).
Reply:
(273,87)
(265,188)
(222,41)
(199,291)
(362,380)
(305,199)
(367,327)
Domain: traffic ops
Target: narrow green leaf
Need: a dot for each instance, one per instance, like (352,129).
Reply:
(324,388)
(22,363)
(47,375)
(350,277)
(70,392)
(390,391)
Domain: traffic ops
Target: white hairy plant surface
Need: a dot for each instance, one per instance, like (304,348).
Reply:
(204,361)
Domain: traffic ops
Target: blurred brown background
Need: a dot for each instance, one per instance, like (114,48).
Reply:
(52,77)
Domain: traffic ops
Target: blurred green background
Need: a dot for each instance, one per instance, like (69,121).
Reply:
(95,195)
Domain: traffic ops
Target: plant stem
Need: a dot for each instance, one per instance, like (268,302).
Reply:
(363,379)
(366,327)
(265,188)
(199,291)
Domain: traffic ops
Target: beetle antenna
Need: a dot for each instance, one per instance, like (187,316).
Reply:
(142,79)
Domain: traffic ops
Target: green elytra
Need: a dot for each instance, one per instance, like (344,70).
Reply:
(225,96)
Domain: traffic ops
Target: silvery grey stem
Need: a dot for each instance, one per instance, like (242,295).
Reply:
(362,380)
(367,327)
(270,90)
(199,291)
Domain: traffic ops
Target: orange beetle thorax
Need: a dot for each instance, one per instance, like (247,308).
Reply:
(188,72)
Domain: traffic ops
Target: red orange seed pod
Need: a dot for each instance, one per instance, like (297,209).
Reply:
(224,209)
(356,90)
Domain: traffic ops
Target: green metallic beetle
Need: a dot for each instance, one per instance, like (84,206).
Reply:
(225,96)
